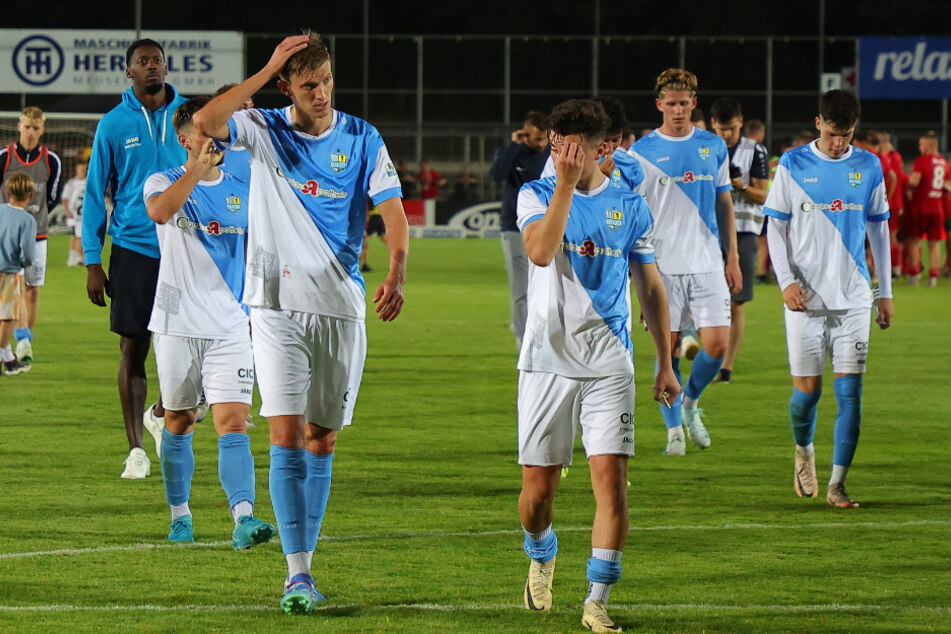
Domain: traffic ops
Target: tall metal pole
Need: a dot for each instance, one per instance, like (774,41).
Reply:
(366,59)
(769,94)
(682,52)
(138,19)
(595,48)
(822,40)
(944,125)
(507,82)
(419,99)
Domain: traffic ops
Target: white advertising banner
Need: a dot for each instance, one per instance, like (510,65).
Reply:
(69,61)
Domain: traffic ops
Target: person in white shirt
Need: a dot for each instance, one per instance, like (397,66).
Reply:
(73,192)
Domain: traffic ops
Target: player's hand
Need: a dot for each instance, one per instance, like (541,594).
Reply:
(666,386)
(607,165)
(734,276)
(886,310)
(569,164)
(795,298)
(643,321)
(96,284)
(283,52)
(389,298)
(519,135)
(208,157)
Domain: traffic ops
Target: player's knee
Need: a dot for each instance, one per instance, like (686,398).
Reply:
(179,423)
(715,348)
(320,440)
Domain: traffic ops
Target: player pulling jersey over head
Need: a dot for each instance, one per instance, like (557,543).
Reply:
(687,187)
(312,170)
(582,236)
(826,198)
(200,329)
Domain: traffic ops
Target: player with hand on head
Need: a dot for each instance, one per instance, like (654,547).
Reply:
(688,189)
(201,332)
(584,238)
(827,197)
(312,170)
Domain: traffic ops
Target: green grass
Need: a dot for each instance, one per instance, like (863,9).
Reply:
(422,532)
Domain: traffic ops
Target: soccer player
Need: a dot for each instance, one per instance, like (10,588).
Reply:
(312,170)
(73,192)
(687,187)
(201,331)
(17,250)
(134,140)
(583,238)
(929,179)
(44,167)
(749,178)
(826,197)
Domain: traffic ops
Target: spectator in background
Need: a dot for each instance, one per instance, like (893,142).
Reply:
(465,189)
(17,250)
(28,156)
(755,130)
(73,192)
(429,181)
(407,180)
(804,137)
(513,165)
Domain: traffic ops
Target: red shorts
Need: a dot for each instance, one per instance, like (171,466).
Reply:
(893,216)
(925,224)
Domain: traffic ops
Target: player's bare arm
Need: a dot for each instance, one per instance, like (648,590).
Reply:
(652,297)
(212,120)
(163,206)
(389,295)
(734,277)
(756,191)
(543,238)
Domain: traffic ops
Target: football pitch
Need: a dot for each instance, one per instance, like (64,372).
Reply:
(422,531)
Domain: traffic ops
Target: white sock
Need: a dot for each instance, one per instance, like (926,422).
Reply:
(690,403)
(673,432)
(806,451)
(310,558)
(538,536)
(297,564)
(8,354)
(179,510)
(838,474)
(602,591)
(241,508)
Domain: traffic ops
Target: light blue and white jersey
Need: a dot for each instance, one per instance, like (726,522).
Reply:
(237,162)
(827,203)
(201,270)
(307,211)
(682,177)
(579,306)
(627,172)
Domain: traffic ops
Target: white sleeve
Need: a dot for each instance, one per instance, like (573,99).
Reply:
(529,207)
(155,185)
(877,233)
(549,169)
(776,240)
(878,204)
(384,181)
(777,203)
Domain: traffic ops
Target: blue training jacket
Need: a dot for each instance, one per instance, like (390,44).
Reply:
(131,144)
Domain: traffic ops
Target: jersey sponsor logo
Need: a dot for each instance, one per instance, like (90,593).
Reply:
(662,159)
(855,179)
(837,205)
(311,187)
(614,218)
(338,161)
(688,177)
(590,249)
(704,153)
(233,203)
(131,142)
(213,228)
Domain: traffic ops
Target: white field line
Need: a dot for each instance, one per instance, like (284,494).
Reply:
(445,534)
(432,607)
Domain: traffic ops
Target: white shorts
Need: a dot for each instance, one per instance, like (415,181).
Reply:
(844,333)
(35,274)
(78,226)
(308,364)
(551,406)
(700,298)
(223,368)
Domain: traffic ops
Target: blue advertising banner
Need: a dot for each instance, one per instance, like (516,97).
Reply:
(905,68)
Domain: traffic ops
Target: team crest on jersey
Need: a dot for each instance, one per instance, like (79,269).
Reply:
(855,179)
(233,203)
(704,153)
(338,161)
(614,218)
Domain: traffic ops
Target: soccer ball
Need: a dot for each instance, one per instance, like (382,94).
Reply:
(689,347)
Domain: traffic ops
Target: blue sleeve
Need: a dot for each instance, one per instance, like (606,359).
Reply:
(28,243)
(94,198)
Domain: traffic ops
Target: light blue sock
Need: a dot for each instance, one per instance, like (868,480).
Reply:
(802,415)
(542,546)
(236,467)
(178,466)
(848,393)
(603,571)
(319,468)
(288,472)
(22,333)
(702,373)
(672,414)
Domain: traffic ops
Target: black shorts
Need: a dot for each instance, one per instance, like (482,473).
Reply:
(375,226)
(131,286)
(746,246)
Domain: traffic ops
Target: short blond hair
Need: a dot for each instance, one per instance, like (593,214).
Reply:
(676,79)
(33,114)
(309,59)
(20,187)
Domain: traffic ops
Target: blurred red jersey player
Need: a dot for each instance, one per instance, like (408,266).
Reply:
(929,180)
